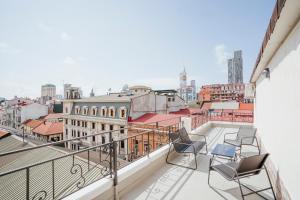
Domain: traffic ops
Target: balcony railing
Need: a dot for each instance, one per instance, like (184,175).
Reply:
(228,116)
(61,176)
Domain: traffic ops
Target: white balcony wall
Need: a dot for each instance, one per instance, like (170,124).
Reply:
(277,110)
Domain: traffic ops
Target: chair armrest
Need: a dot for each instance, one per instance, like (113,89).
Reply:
(203,136)
(246,138)
(232,133)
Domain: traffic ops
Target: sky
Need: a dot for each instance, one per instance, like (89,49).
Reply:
(105,44)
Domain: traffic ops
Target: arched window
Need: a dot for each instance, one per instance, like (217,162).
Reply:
(111,111)
(77,110)
(94,110)
(103,111)
(122,112)
(85,110)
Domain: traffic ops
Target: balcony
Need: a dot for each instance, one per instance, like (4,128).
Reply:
(138,172)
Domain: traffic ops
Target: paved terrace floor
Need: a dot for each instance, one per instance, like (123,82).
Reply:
(173,182)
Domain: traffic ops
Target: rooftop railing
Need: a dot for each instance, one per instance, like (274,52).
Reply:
(65,174)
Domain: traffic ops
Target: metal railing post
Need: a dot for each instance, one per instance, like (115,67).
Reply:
(53,182)
(27,183)
(88,160)
(148,149)
(115,169)
(110,158)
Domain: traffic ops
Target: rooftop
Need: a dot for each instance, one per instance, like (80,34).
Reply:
(54,116)
(49,128)
(33,123)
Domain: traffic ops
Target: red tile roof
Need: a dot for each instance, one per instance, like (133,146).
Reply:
(162,119)
(187,111)
(54,116)
(3,133)
(32,123)
(49,128)
(246,106)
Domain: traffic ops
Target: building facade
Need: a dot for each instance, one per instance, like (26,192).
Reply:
(222,92)
(48,90)
(15,115)
(235,68)
(111,113)
(187,92)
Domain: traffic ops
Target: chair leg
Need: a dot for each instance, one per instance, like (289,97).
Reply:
(257,145)
(208,180)
(238,180)
(270,183)
(195,154)
(168,154)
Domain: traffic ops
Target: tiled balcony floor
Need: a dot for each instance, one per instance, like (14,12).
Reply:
(173,182)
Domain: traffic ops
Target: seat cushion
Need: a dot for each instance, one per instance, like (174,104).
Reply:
(233,142)
(226,171)
(198,145)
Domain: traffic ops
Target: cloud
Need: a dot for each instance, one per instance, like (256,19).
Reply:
(44,27)
(221,55)
(65,36)
(70,61)
(157,83)
(6,48)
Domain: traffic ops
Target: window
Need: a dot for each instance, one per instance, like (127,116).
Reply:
(103,127)
(122,144)
(84,134)
(93,125)
(122,112)
(66,131)
(66,121)
(111,127)
(103,139)
(85,124)
(94,111)
(73,133)
(111,111)
(103,111)
(82,123)
(94,138)
(77,110)
(169,99)
(78,123)
(78,133)
(122,129)
(85,110)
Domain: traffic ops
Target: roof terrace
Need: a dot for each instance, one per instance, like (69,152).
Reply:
(129,168)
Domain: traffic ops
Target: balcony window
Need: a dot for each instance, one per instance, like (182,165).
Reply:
(93,125)
(102,127)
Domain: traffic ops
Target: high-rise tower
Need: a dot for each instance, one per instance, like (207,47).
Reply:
(235,68)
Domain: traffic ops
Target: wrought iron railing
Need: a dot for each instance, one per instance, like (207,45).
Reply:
(65,174)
